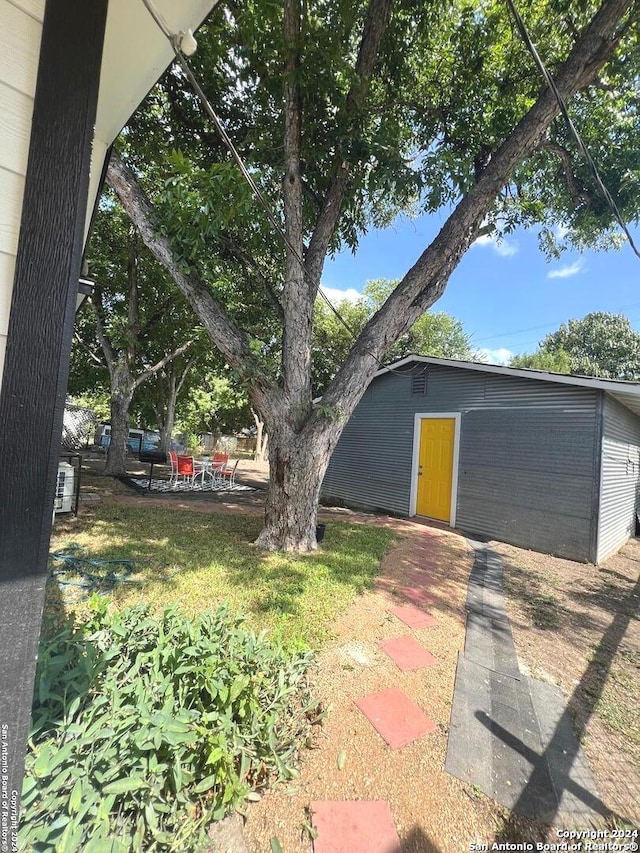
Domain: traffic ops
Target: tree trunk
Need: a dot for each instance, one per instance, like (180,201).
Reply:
(298,462)
(261,437)
(166,408)
(121,396)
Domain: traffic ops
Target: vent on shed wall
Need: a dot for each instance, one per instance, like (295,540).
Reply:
(419,383)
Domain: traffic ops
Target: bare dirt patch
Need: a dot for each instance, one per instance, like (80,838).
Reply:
(577,626)
(432,810)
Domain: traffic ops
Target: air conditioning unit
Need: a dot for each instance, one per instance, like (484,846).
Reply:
(64,488)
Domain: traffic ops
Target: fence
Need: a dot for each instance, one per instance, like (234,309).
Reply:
(78,427)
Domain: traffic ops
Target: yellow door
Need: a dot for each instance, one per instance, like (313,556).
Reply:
(435,468)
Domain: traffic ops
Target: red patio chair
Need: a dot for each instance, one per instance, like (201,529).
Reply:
(228,474)
(186,469)
(217,464)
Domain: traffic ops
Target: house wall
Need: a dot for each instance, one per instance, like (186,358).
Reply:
(528,454)
(620,478)
(20,35)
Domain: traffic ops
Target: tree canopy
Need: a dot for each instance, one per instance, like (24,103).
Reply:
(553,362)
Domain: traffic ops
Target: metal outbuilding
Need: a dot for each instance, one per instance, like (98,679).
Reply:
(540,460)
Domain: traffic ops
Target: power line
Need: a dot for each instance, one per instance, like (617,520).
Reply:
(572,128)
(547,325)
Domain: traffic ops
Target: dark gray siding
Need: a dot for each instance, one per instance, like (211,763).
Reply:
(527,454)
(620,478)
(526,477)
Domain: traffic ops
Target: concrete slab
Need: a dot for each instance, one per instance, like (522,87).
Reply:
(525,751)
(354,827)
(395,717)
(408,653)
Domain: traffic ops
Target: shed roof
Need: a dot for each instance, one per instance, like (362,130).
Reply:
(627,393)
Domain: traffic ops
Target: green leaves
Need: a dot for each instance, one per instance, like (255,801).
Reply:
(124,786)
(599,344)
(148,727)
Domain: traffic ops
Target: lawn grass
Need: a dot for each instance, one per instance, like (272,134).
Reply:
(197,560)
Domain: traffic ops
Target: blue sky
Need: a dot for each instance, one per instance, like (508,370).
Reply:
(508,296)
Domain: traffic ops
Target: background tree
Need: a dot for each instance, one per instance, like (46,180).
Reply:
(554,362)
(137,318)
(345,114)
(434,333)
(601,344)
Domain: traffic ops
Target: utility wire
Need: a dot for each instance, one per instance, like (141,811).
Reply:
(547,325)
(572,128)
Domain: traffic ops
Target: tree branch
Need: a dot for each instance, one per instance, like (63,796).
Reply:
(425,282)
(297,301)
(185,373)
(133,312)
(87,349)
(578,194)
(154,319)
(238,254)
(95,300)
(160,364)
(231,342)
(375,26)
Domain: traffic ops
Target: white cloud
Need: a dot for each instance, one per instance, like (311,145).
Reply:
(335,295)
(504,248)
(494,356)
(568,270)
(560,231)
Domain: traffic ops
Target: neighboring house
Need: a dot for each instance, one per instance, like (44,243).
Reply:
(540,460)
(71,74)
(138,440)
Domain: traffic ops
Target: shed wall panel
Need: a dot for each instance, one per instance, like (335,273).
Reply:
(526,477)
(527,454)
(620,479)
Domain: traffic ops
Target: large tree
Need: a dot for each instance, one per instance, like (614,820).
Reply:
(558,361)
(600,344)
(346,113)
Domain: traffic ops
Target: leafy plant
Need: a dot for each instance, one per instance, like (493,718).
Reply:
(145,728)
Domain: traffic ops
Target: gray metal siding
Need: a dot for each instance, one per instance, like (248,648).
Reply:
(526,477)
(620,478)
(526,454)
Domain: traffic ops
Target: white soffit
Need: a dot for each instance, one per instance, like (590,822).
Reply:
(136,53)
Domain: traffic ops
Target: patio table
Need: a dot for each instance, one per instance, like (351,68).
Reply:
(207,466)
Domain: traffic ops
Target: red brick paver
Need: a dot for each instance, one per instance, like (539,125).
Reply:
(408,653)
(354,827)
(394,716)
(413,616)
